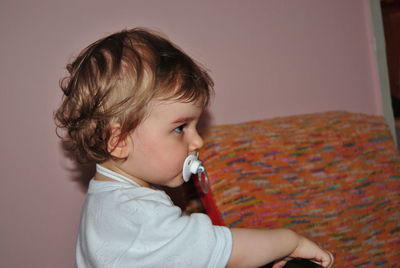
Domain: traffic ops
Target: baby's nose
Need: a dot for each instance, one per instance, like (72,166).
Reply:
(196,142)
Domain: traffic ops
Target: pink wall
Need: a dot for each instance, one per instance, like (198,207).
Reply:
(268,58)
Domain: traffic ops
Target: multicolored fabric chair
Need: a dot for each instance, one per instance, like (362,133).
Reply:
(334,177)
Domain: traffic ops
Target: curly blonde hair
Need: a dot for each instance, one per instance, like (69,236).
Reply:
(113,80)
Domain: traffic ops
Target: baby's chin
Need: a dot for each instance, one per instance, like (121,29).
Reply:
(176,182)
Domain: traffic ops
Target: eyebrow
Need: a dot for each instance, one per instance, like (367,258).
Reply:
(183,120)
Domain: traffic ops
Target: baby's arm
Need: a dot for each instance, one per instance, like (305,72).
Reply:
(254,248)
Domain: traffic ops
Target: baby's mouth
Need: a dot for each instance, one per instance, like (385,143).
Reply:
(192,165)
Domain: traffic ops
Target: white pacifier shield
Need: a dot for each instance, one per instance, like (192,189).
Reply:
(190,166)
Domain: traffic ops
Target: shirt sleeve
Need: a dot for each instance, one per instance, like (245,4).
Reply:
(124,231)
(173,240)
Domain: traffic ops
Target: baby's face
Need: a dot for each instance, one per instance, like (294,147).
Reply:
(162,142)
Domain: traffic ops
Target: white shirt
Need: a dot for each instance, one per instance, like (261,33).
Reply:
(124,225)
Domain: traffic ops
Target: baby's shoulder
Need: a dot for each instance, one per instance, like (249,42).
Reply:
(144,204)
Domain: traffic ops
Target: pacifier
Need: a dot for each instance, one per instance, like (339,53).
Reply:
(192,165)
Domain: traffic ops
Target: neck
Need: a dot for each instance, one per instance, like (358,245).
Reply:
(111,165)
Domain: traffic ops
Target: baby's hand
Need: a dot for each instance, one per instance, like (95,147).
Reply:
(307,249)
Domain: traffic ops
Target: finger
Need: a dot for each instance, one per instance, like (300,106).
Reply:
(328,262)
(279,264)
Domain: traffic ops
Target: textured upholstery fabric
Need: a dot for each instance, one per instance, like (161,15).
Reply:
(333,176)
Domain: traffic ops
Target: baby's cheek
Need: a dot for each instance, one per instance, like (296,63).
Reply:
(175,164)
(175,167)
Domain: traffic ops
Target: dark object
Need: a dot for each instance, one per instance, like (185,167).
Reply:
(297,263)
(301,263)
(396,106)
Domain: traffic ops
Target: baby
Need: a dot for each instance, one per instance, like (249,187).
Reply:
(131,104)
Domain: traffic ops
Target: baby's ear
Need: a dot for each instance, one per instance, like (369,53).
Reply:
(116,146)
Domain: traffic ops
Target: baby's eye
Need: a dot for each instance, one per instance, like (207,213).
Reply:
(180,128)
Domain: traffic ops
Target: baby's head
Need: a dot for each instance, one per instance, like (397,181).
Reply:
(113,81)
